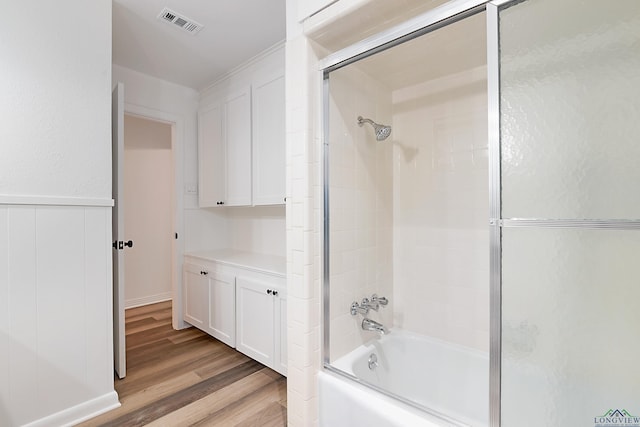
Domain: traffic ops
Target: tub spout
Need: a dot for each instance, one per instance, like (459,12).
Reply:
(372,325)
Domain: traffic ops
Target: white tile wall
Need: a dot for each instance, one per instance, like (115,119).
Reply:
(441,211)
(361,205)
(303,228)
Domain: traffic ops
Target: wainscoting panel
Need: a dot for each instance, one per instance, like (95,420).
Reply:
(55,313)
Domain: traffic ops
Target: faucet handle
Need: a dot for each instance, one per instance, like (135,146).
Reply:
(357,308)
(379,300)
(373,305)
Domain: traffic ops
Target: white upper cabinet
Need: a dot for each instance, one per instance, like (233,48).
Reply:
(237,126)
(241,140)
(269,141)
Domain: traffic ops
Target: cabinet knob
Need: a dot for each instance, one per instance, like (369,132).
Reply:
(269,291)
(275,293)
(204,272)
(219,203)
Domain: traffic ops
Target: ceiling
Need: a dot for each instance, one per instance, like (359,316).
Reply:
(449,50)
(233,32)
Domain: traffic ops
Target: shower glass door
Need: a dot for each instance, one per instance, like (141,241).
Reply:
(570,212)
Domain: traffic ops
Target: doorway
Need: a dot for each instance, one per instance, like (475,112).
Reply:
(149,207)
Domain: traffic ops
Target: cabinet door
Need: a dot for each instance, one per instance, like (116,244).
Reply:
(237,119)
(211,154)
(268,141)
(280,357)
(196,289)
(222,308)
(255,335)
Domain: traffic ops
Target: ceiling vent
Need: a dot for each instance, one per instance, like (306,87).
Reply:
(182,22)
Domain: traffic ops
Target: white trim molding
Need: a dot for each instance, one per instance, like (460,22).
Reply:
(151,299)
(8,199)
(79,413)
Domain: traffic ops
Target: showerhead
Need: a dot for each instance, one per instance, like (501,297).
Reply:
(382,131)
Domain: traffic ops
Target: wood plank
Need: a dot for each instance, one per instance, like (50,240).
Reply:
(243,409)
(207,410)
(184,335)
(274,415)
(150,308)
(169,404)
(177,365)
(187,377)
(147,397)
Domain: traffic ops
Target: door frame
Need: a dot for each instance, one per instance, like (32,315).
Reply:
(177,246)
(438,17)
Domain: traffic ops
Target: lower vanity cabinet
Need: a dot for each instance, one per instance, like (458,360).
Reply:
(240,299)
(209,302)
(195,295)
(261,322)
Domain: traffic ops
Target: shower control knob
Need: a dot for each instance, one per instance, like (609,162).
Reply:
(379,300)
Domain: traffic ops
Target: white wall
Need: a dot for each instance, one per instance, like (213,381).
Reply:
(56,364)
(148,215)
(259,229)
(54,100)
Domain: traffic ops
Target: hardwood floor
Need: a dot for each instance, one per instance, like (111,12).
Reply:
(187,378)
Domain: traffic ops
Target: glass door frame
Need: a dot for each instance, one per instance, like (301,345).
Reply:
(497,221)
(438,17)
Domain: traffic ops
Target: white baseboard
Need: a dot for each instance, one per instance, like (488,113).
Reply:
(151,299)
(79,413)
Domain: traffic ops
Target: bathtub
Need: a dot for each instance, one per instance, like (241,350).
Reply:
(452,381)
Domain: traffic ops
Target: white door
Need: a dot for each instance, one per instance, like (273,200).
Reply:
(117,140)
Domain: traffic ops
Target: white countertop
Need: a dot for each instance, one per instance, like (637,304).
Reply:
(272,264)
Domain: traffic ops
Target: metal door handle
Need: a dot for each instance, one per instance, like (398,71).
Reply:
(119,244)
